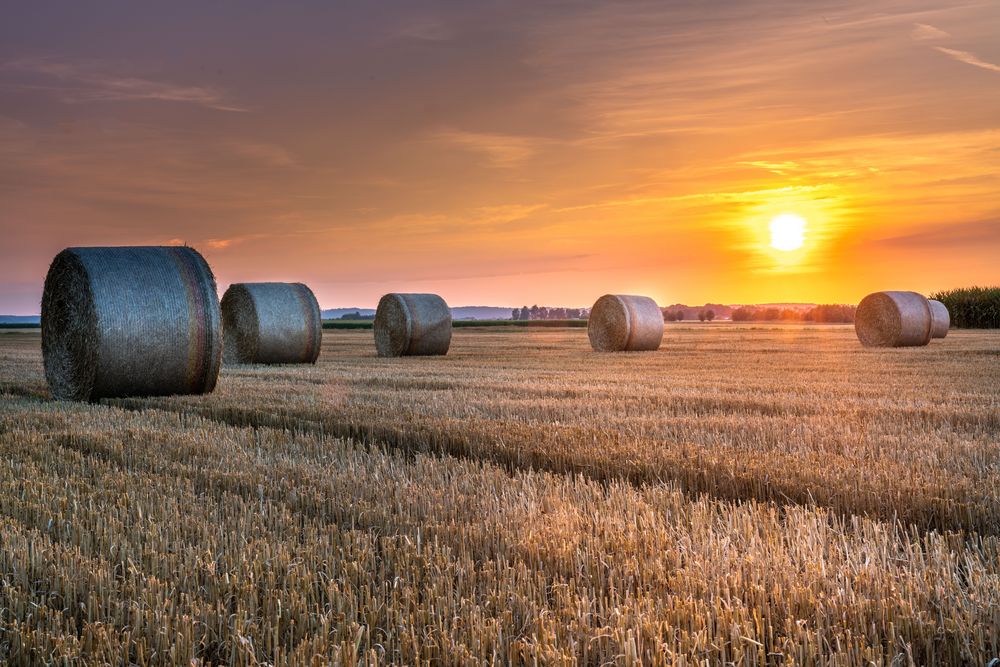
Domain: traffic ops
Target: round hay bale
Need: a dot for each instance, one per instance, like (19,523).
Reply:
(940,319)
(132,321)
(271,323)
(412,324)
(625,323)
(893,319)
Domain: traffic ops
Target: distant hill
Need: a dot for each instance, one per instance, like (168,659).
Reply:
(492,312)
(337,313)
(480,313)
(459,313)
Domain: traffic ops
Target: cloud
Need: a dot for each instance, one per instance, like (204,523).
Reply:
(507,212)
(224,243)
(721,196)
(500,150)
(780,168)
(268,154)
(968,58)
(87,83)
(924,32)
(956,235)
(426,29)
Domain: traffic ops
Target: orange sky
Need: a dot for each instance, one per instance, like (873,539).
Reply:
(510,155)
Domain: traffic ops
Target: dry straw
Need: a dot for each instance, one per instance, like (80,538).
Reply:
(271,323)
(893,319)
(625,323)
(940,319)
(130,321)
(412,324)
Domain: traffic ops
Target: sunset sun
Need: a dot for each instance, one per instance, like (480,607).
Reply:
(788,232)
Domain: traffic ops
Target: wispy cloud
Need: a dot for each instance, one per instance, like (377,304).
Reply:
(957,235)
(426,29)
(731,196)
(500,150)
(968,58)
(780,168)
(926,32)
(79,83)
(268,154)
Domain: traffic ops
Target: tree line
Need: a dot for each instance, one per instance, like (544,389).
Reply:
(546,313)
(671,315)
(833,313)
(970,307)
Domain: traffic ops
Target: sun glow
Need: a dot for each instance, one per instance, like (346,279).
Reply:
(788,232)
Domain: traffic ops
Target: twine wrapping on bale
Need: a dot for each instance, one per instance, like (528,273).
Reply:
(271,323)
(625,323)
(940,319)
(412,324)
(131,321)
(893,319)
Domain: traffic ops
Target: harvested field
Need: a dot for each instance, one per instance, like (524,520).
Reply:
(749,494)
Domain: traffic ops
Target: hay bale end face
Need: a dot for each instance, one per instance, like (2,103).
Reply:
(893,319)
(130,321)
(940,319)
(411,325)
(625,323)
(271,323)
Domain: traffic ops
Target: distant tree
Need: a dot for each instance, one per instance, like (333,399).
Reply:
(709,314)
(515,314)
(533,313)
(720,309)
(525,313)
(702,315)
(831,313)
(744,314)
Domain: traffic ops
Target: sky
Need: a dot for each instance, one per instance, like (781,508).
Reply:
(509,153)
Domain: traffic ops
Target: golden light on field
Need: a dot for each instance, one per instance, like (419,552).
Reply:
(788,232)
(868,522)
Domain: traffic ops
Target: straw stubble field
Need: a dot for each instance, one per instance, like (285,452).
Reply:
(746,494)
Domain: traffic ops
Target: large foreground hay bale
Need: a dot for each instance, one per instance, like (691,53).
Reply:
(893,319)
(139,321)
(940,319)
(625,323)
(412,324)
(271,323)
